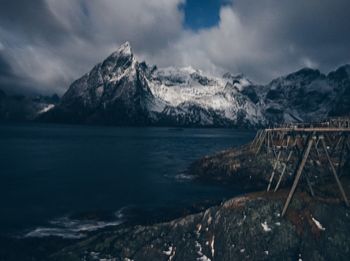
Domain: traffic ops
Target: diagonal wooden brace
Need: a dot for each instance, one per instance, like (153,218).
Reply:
(298,174)
(335,173)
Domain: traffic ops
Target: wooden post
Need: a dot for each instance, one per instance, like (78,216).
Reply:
(261,142)
(288,138)
(341,156)
(283,171)
(336,146)
(298,174)
(335,173)
(256,139)
(273,171)
(309,185)
(316,148)
(281,176)
(252,144)
(272,144)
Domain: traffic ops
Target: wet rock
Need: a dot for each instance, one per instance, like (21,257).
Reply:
(238,167)
(248,227)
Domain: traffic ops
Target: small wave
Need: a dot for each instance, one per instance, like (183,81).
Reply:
(181,177)
(54,232)
(66,227)
(184,177)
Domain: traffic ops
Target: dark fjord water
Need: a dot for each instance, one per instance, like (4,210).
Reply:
(66,180)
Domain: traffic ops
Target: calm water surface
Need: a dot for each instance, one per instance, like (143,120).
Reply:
(51,172)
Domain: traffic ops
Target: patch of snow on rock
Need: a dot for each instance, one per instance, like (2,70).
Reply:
(265,227)
(46,108)
(318,224)
(201,257)
(212,246)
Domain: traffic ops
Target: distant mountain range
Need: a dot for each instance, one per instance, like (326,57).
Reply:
(18,108)
(124,91)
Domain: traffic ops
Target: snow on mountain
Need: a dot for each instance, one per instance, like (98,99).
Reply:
(180,87)
(124,91)
(306,95)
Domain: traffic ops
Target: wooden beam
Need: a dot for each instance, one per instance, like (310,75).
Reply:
(298,174)
(288,139)
(273,171)
(281,176)
(335,173)
(261,142)
(309,185)
(334,149)
(341,156)
(252,144)
(283,170)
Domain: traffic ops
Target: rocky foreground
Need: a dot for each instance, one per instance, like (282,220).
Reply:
(247,227)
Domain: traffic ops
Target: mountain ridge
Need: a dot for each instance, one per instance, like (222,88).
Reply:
(123,91)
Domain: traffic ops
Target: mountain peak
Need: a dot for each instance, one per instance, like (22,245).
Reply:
(305,72)
(229,75)
(123,51)
(123,57)
(343,72)
(345,67)
(125,48)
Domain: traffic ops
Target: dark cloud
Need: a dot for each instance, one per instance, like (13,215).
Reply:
(5,68)
(51,43)
(266,38)
(31,20)
(11,83)
(317,30)
(45,44)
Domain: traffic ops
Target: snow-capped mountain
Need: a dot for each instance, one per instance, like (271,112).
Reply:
(307,95)
(124,91)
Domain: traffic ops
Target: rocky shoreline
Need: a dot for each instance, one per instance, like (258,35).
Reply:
(248,227)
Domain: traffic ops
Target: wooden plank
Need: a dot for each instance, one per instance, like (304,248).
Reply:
(261,142)
(316,148)
(283,171)
(298,174)
(309,185)
(281,176)
(273,171)
(335,173)
(341,157)
(272,145)
(288,139)
(253,143)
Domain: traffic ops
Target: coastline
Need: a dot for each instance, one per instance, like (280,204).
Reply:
(245,227)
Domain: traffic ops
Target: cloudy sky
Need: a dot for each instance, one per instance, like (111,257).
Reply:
(45,44)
